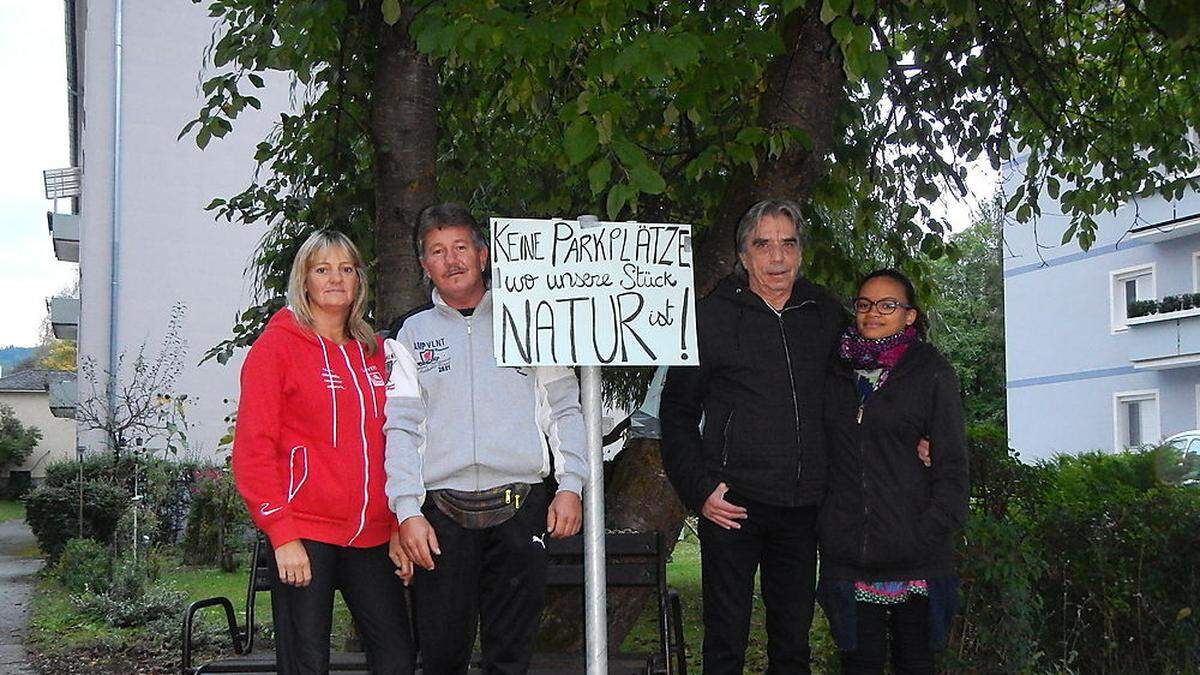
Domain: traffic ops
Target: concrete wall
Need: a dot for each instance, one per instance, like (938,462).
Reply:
(58,435)
(1064,360)
(171,250)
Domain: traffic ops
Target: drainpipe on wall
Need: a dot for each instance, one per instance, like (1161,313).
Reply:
(115,252)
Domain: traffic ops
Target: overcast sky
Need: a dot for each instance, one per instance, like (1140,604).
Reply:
(33,137)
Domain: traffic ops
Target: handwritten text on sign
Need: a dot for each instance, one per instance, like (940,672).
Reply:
(605,294)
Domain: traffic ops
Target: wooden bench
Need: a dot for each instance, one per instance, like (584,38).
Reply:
(633,560)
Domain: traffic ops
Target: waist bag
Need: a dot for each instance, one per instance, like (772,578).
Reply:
(482,509)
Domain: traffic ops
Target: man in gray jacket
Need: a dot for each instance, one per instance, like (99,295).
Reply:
(468,446)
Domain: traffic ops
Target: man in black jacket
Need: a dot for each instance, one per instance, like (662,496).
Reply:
(743,442)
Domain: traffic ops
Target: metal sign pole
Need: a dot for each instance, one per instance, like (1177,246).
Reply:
(593,526)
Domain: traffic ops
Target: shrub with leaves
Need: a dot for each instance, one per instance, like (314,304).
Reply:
(17,440)
(83,566)
(218,524)
(53,514)
(163,484)
(159,604)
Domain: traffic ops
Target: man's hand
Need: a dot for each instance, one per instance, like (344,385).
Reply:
(923,452)
(722,512)
(292,561)
(404,564)
(565,515)
(419,541)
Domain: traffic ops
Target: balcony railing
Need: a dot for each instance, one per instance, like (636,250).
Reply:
(64,317)
(64,395)
(64,231)
(62,183)
(1168,229)
(1168,340)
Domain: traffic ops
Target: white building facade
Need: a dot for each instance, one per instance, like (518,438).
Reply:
(1088,367)
(134,69)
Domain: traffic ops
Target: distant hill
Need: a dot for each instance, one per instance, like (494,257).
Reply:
(11,356)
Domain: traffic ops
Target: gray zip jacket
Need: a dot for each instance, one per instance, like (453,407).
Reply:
(456,420)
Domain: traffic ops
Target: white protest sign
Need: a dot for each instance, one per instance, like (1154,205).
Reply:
(608,294)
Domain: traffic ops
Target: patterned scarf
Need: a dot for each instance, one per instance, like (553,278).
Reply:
(862,353)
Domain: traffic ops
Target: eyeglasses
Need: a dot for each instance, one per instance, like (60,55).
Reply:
(885,306)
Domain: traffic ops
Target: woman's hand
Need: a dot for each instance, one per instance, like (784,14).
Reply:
(292,560)
(404,564)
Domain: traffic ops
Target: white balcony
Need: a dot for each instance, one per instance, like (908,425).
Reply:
(64,394)
(62,183)
(1164,341)
(64,317)
(1167,229)
(64,231)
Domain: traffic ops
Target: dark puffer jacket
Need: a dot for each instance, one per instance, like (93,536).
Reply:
(759,387)
(888,517)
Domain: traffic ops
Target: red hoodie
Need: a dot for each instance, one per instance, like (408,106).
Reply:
(308,447)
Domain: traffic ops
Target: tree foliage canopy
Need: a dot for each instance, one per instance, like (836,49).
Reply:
(17,440)
(968,319)
(663,110)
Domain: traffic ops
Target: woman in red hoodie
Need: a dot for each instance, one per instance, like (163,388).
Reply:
(308,461)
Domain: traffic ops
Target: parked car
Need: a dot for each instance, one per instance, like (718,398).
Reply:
(1188,472)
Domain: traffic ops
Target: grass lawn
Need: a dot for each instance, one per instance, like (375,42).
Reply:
(12,510)
(57,628)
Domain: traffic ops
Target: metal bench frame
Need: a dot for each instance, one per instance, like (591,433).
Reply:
(634,560)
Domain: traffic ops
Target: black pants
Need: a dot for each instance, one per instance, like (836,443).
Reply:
(496,577)
(905,627)
(373,593)
(782,543)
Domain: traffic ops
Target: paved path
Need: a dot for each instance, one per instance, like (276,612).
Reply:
(16,592)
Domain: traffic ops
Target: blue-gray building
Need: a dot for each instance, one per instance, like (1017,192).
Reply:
(1084,372)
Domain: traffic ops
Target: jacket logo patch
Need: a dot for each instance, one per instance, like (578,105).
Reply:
(432,355)
(375,377)
(332,380)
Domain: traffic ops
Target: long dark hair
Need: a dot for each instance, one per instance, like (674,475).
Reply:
(910,291)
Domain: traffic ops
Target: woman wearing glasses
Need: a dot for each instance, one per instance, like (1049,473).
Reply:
(889,521)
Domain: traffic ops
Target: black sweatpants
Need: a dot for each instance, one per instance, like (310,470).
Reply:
(904,627)
(496,576)
(373,593)
(781,542)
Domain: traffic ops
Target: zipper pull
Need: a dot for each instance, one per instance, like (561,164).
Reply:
(508,496)
(860,414)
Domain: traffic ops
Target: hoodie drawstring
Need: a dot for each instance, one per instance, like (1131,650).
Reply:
(330,382)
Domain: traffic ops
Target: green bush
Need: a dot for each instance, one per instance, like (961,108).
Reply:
(158,605)
(163,484)
(83,566)
(217,525)
(1084,563)
(147,526)
(1122,576)
(53,514)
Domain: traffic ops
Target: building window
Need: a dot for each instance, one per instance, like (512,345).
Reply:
(1196,272)
(1127,286)
(1135,418)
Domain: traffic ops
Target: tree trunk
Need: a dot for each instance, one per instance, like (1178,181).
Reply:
(805,86)
(404,130)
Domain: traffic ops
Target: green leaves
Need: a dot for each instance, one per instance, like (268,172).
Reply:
(580,140)
(391,11)
(599,175)
(644,178)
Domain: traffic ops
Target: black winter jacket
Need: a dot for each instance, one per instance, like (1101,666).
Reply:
(887,516)
(759,388)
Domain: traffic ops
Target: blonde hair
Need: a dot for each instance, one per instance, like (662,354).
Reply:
(297,296)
